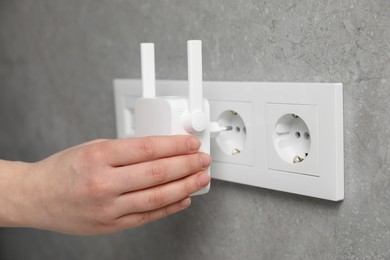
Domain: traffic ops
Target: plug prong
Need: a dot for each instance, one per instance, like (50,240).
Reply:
(228,128)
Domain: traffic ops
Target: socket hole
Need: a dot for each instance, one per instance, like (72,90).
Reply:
(287,138)
(244,129)
(238,129)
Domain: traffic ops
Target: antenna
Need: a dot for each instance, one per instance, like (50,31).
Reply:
(195,88)
(196,120)
(148,70)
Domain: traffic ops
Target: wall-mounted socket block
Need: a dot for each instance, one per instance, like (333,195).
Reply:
(285,136)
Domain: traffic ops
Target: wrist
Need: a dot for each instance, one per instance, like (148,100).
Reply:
(12,200)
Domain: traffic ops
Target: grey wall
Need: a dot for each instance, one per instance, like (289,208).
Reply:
(57,61)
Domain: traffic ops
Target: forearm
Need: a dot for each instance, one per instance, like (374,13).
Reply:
(11,193)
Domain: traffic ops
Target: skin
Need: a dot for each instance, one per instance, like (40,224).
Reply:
(103,186)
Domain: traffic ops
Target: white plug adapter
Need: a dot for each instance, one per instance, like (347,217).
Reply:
(174,115)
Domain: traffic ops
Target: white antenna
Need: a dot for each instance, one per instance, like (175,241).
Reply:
(196,120)
(148,70)
(195,88)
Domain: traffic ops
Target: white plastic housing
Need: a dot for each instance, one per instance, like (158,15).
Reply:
(166,116)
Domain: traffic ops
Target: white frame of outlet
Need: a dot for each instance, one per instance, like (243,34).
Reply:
(321,175)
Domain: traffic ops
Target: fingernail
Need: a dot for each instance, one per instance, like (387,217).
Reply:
(205,159)
(186,202)
(193,144)
(203,179)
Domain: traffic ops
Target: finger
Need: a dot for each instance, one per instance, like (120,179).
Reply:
(138,219)
(149,174)
(127,151)
(160,196)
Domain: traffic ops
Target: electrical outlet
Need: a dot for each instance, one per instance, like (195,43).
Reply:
(292,138)
(237,145)
(284,136)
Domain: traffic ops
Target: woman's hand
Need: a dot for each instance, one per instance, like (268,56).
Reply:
(105,185)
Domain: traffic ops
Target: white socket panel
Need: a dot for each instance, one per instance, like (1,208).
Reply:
(261,105)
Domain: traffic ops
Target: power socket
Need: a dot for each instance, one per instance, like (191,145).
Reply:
(284,136)
(237,145)
(292,138)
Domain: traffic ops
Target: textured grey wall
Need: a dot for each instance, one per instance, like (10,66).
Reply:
(57,61)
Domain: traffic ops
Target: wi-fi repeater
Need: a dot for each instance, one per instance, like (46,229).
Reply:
(175,115)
